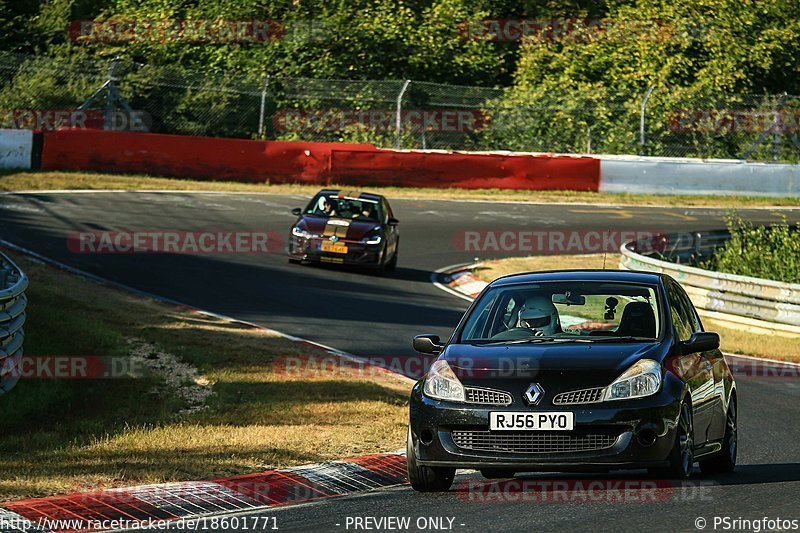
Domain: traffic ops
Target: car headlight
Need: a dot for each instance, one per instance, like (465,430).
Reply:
(372,240)
(442,384)
(300,232)
(642,379)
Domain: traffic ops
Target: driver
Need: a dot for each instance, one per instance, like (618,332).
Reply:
(539,314)
(366,212)
(325,208)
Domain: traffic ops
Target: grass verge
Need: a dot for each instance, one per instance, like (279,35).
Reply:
(70,435)
(734,340)
(17,181)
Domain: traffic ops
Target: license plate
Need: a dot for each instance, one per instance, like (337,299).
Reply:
(511,421)
(334,247)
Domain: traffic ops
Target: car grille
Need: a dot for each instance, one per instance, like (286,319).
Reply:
(533,442)
(579,396)
(487,396)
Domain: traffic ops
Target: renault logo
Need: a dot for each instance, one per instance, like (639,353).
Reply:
(534,394)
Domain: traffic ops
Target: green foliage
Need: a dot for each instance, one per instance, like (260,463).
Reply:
(768,252)
(695,53)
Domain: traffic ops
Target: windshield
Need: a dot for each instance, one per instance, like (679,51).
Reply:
(551,311)
(339,206)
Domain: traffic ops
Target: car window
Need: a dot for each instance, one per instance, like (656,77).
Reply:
(351,208)
(564,310)
(477,324)
(678,313)
(689,310)
(387,210)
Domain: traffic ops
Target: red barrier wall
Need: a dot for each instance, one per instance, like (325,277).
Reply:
(189,157)
(306,162)
(465,170)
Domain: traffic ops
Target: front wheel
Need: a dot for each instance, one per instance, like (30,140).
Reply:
(391,265)
(681,458)
(426,478)
(725,461)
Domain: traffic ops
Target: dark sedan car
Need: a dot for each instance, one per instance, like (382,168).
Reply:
(573,371)
(346,227)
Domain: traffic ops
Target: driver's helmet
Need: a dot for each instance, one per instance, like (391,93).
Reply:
(540,314)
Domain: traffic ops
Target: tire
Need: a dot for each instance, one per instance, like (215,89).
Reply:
(294,261)
(391,265)
(725,461)
(681,457)
(491,473)
(427,478)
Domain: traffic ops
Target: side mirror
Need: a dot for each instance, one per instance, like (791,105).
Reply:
(392,221)
(702,341)
(296,211)
(428,344)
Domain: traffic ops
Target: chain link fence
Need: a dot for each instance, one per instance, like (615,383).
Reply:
(46,93)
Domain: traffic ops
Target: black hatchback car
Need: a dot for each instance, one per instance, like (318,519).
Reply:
(346,227)
(573,371)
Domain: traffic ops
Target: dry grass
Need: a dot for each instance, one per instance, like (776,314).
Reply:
(16,181)
(66,435)
(734,340)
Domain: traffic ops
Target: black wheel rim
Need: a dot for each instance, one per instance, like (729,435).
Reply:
(732,431)
(686,440)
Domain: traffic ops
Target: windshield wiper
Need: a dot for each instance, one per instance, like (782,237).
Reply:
(627,338)
(532,340)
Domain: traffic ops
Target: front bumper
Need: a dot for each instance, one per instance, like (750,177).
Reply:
(358,253)
(642,434)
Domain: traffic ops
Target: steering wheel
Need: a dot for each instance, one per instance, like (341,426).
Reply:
(517,333)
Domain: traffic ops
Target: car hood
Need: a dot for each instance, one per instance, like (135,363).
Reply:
(356,229)
(566,366)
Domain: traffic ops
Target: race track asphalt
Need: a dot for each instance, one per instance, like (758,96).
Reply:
(373,315)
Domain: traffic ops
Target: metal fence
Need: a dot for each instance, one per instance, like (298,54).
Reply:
(731,296)
(13,301)
(121,94)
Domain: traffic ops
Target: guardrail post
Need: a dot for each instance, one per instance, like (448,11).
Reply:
(398,119)
(588,139)
(642,138)
(264,87)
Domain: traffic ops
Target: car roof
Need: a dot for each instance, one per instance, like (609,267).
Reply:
(630,276)
(352,193)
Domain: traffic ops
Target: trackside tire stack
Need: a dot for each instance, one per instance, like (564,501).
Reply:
(13,302)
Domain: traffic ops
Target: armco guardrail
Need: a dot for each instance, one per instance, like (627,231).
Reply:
(13,301)
(739,296)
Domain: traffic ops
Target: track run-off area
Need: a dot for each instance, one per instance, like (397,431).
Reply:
(375,315)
